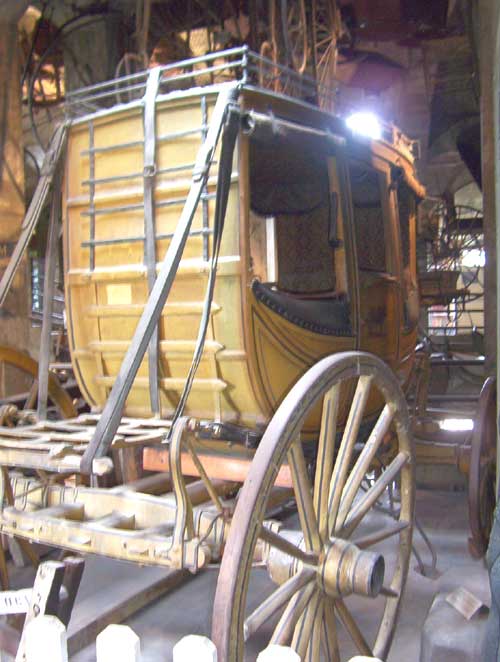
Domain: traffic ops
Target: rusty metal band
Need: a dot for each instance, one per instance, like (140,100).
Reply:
(149,178)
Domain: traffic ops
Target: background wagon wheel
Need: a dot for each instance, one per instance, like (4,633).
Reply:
(22,363)
(326,28)
(48,69)
(342,559)
(482,469)
(294,26)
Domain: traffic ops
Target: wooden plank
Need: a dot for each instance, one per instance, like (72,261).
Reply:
(44,598)
(223,467)
(113,409)
(74,566)
(118,602)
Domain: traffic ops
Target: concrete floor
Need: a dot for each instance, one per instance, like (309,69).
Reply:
(187,610)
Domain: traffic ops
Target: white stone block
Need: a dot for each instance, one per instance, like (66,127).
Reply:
(45,639)
(193,647)
(118,642)
(275,653)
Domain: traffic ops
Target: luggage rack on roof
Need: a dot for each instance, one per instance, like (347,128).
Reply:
(229,65)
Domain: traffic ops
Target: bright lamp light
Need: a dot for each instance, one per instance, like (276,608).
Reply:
(475,257)
(365,124)
(457,424)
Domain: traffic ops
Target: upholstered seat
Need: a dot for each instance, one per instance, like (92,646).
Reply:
(327,315)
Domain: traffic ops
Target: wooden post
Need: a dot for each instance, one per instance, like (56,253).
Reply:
(194,647)
(16,326)
(48,297)
(74,566)
(490,78)
(489,56)
(118,642)
(44,599)
(275,653)
(45,639)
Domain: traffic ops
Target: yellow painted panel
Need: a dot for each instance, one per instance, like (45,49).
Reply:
(105,303)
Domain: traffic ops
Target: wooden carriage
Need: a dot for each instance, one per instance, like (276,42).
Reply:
(240,279)
(275,311)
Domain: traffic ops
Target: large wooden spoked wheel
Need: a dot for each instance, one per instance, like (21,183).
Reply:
(335,565)
(294,26)
(19,361)
(326,27)
(482,469)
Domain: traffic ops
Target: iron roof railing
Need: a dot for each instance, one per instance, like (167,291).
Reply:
(233,64)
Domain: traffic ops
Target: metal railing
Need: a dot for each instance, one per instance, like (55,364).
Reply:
(239,64)
(117,211)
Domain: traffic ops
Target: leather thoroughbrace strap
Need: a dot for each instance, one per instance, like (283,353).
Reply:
(230,133)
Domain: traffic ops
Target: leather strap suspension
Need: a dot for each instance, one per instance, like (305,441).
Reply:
(229,136)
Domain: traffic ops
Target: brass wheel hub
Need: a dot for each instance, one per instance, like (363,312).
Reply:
(345,569)
(342,568)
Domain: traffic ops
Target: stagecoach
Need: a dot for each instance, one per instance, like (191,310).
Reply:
(241,308)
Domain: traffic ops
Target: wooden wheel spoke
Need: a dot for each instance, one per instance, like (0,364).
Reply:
(324,59)
(375,491)
(382,534)
(363,463)
(283,632)
(323,41)
(389,592)
(284,545)
(327,55)
(352,628)
(330,638)
(324,462)
(346,447)
(276,600)
(303,495)
(304,628)
(315,625)
(314,648)
(32,395)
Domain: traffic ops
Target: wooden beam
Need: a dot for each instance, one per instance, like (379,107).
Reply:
(117,602)
(233,469)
